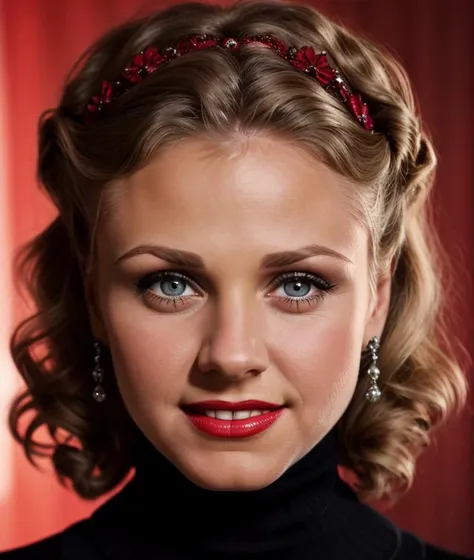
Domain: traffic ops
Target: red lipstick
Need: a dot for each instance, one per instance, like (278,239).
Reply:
(229,427)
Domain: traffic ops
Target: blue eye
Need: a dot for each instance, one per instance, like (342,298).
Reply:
(174,286)
(171,283)
(298,287)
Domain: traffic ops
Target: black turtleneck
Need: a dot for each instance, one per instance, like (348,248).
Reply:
(287,513)
(308,513)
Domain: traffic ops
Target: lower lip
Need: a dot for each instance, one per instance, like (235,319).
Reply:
(234,428)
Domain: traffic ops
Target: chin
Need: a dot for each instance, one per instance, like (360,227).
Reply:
(233,482)
(231,474)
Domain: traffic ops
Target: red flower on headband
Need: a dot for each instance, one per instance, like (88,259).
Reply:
(306,57)
(105,96)
(360,110)
(142,64)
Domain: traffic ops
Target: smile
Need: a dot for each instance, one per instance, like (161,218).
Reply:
(233,424)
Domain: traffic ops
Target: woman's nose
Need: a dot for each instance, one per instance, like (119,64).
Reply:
(235,342)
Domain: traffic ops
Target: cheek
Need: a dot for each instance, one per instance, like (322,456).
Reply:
(320,356)
(151,356)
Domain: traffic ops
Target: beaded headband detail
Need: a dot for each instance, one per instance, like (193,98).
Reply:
(305,59)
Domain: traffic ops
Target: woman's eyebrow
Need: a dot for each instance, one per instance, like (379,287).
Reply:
(192,260)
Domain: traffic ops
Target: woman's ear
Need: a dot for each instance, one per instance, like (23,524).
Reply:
(380,305)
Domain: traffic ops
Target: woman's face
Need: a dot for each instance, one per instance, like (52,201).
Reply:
(234,324)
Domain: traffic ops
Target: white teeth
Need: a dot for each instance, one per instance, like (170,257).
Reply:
(224,414)
(237,415)
(242,414)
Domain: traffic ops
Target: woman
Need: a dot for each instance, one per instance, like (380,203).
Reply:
(239,294)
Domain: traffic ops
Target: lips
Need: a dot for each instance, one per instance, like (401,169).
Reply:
(208,417)
(230,428)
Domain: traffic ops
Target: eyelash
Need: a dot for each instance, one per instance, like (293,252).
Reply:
(324,287)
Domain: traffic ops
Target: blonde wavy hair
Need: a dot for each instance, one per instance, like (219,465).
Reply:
(224,95)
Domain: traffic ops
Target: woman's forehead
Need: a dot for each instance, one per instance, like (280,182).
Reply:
(270,195)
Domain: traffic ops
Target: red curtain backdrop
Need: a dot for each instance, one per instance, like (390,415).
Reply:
(39,41)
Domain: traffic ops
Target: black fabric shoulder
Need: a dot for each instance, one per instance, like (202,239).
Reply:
(71,544)
(435,553)
(413,548)
(46,548)
(74,544)
(77,543)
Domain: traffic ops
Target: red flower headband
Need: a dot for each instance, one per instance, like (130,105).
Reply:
(306,59)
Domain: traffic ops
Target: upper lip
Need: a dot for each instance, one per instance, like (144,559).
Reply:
(226,405)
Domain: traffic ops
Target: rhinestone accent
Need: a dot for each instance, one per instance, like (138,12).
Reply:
(99,394)
(171,51)
(373,394)
(230,43)
(374,343)
(98,375)
(373,372)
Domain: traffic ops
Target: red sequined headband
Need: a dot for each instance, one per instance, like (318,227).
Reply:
(306,59)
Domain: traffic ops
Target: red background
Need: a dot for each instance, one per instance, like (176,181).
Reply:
(40,39)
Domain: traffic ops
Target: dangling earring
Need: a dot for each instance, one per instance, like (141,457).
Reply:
(373,393)
(98,375)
